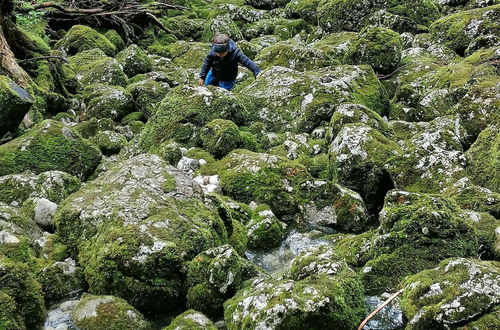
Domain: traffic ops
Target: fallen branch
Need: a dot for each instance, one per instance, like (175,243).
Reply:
(379,308)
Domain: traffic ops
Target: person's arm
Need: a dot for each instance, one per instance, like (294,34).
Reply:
(207,65)
(248,63)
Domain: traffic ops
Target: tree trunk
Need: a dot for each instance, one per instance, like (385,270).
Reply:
(8,64)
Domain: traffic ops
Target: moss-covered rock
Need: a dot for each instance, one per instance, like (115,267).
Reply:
(185,28)
(134,61)
(105,101)
(433,158)
(134,227)
(264,230)
(376,46)
(416,232)
(186,109)
(191,320)
(478,108)
(48,146)
(93,67)
(61,279)
(474,198)
(457,31)
(53,185)
(147,94)
(305,9)
(286,99)
(488,237)
(98,312)
(21,303)
(351,113)
(280,27)
(358,155)
(292,55)
(297,146)
(352,15)
(15,102)
(266,4)
(80,38)
(456,293)
(219,24)
(217,274)
(115,39)
(109,142)
(220,136)
(335,45)
(285,304)
(483,159)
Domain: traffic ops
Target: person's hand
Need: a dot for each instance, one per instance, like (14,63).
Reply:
(201,82)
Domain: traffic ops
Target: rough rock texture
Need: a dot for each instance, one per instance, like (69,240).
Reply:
(220,136)
(80,38)
(104,101)
(190,320)
(264,230)
(133,223)
(134,61)
(49,146)
(456,293)
(15,102)
(98,312)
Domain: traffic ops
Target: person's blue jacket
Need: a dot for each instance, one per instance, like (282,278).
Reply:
(226,68)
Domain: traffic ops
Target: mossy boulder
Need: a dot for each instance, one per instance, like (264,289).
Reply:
(455,294)
(335,45)
(280,27)
(191,320)
(104,101)
(214,276)
(352,15)
(292,55)
(285,99)
(305,9)
(15,102)
(98,312)
(351,113)
(488,237)
(266,4)
(247,176)
(285,304)
(48,146)
(416,232)
(61,279)
(132,223)
(358,155)
(376,46)
(478,108)
(264,230)
(219,24)
(93,67)
(115,38)
(147,95)
(21,304)
(220,136)
(483,159)
(186,109)
(298,146)
(185,28)
(80,38)
(474,198)
(109,142)
(458,30)
(433,158)
(134,61)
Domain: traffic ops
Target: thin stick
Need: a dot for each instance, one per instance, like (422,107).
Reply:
(379,309)
(43,58)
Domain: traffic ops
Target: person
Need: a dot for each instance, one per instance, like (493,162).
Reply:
(220,66)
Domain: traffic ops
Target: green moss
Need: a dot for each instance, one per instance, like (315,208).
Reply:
(264,229)
(185,28)
(80,38)
(111,102)
(198,153)
(134,61)
(283,28)
(305,9)
(22,293)
(109,142)
(376,46)
(483,159)
(98,312)
(134,116)
(15,102)
(292,55)
(115,39)
(59,280)
(454,30)
(335,45)
(221,23)
(190,320)
(50,145)
(220,136)
(348,113)
(147,95)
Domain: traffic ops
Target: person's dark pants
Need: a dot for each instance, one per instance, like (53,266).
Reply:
(211,80)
